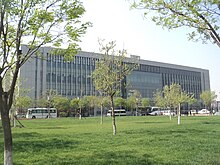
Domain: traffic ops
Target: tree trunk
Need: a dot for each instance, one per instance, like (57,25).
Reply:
(101,114)
(7,136)
(136,111)
(6,99)
(170,115)
(48,116)
(113,116)
(170,112)
(80,113)
(178,115)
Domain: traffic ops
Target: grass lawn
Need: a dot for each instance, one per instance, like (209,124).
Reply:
(139,141)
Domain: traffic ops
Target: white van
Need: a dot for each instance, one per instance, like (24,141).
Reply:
(118,112)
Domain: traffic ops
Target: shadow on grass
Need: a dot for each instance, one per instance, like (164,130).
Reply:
(206,122)
(182,131)
(65,151)
(25,135)
(150,122)
(52,127)
(95,158)
(122,158)
(44,144)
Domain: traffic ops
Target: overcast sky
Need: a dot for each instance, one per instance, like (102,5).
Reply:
(113,20)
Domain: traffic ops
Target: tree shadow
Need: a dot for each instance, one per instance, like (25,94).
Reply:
(31,144)
(122,158)
(25,135)
(98,158)
(52,127)
(214,122)
(34,148)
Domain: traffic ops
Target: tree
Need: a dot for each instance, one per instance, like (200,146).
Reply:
(208,97)
(134,100)
(42,103)
(163,99)
(172,96)
(176,97)
(91,103)
(137,96)
(102,102)
(62,104)
(160,99)
(46,99)
(83,103)
(22,102)
(105,104)
(200,15)
(74,104)
(119,102)
(131,103)
(145,102)
(109,73)
(35,23)
(192,102)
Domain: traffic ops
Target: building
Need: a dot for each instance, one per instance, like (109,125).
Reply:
(73,79)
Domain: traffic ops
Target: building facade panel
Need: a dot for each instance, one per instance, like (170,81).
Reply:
(145,82)
(73,79)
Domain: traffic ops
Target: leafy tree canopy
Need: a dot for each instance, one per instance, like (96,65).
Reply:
(200,15)
(35,23)
(131,102)
(83,102)
(145,102)
(172,96)
(119,102)
(61,103)
(111,69)
(74,103)
(160,101)
(23,102)
(208,97)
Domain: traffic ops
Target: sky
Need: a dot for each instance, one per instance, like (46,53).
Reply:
(113,20)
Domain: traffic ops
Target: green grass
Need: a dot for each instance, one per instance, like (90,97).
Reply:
(139,141)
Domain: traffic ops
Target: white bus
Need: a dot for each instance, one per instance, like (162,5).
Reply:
(34,113)
(155,109)
(118,112)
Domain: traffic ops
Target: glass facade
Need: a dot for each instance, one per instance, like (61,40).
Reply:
(145,82)
(147,79)
(190,81)
(73,79)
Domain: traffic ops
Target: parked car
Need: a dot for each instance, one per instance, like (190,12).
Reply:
(21,115)
(204,111)
(155,113)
